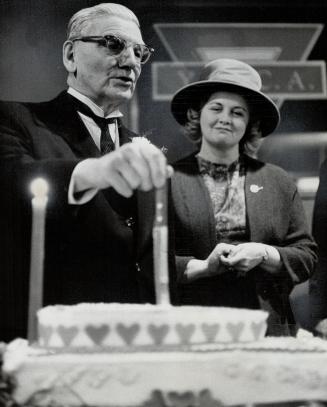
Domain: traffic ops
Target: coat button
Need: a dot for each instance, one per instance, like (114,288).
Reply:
(129,222)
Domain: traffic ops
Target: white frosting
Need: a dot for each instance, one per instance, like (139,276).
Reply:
(285,369)
(269,370)
(120,325)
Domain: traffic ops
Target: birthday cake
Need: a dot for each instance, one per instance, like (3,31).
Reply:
(107,355)
(119,326)
(272,371)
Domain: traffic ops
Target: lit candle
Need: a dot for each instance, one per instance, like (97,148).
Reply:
(160,247)
(39,188)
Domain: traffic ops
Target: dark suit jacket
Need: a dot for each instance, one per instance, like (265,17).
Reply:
(318,282)
(275,216)
(90,250)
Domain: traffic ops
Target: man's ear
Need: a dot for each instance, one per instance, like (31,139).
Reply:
(68,56)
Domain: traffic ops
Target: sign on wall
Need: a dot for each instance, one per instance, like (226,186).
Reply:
(278,51)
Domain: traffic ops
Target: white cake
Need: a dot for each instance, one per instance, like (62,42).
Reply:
(273,370)
(114,326)
(115,355)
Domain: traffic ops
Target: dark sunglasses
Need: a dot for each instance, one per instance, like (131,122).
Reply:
(117,45)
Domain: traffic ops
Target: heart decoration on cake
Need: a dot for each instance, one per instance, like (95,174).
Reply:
(115,325)
(45,332)
(204,398)
(97,333)
(186,398)
(235,330)
(256,328)
(158,333)
(128,333)
(67,334)
(185,332)
(210,331)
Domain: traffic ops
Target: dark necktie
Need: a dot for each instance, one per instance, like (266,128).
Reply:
(106,142)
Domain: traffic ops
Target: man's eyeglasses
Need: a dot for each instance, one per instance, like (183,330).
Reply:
(116,46)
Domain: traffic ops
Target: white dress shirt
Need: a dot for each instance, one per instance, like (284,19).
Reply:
(95,133)
(90,124)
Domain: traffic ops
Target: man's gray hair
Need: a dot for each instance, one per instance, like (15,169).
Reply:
(80,20)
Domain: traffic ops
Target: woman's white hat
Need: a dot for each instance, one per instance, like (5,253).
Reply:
(228,75)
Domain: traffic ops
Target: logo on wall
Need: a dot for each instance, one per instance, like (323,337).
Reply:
(278,51)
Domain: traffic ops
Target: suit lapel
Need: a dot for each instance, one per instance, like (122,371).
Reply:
(62,118)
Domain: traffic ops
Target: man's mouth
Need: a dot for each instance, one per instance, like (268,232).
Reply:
(125,79)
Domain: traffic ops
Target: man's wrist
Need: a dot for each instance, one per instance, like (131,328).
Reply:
(81,189)
(265,255)
(86,175)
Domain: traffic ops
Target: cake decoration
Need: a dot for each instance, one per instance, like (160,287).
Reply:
(230,374)
(158,333)
(67,334)
(185,333)
(118,326)
(210,331)
(235,330)
(128,333)
(186,399)
(97,333)
(45,332)
(257,328)
(6,383)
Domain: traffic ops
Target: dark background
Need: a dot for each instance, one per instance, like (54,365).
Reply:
(32,33)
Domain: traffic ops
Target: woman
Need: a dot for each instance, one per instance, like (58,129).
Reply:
(240,229)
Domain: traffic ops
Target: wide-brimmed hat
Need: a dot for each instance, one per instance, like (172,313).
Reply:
(228,75)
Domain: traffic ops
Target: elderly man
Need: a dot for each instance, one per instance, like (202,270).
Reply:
(79,145)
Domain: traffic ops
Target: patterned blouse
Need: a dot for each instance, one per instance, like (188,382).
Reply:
(226,189)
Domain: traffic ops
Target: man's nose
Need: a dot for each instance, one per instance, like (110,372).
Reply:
(128,58)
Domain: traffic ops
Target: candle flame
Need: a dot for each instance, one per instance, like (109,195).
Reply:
(39,187)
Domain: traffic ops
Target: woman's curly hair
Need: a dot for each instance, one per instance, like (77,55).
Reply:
(249,144)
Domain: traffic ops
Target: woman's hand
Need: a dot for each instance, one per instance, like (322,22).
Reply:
(211,266)
(222,250)
(245,256)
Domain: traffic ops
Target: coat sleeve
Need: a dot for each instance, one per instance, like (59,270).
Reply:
(193,220)
(22,160)
(277,218)
(318,282)
(298,251)
(19,165)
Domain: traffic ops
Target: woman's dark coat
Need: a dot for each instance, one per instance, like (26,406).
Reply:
(274,216)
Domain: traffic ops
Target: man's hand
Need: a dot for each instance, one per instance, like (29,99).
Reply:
(132,166)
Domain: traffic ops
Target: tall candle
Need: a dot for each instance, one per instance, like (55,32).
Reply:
(160,247)
(39,188)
